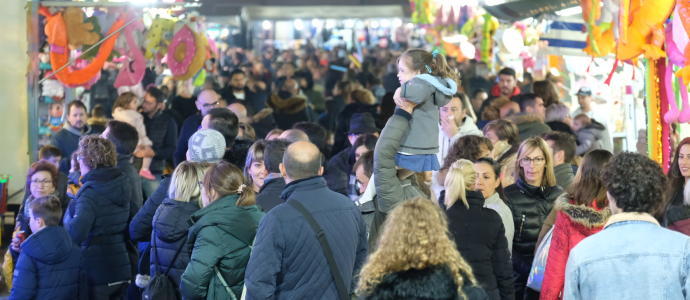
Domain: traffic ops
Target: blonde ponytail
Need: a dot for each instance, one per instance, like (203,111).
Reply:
(461,177)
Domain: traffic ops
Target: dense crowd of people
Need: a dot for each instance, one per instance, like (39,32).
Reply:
(406,177)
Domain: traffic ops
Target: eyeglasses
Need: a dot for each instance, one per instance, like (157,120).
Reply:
(536,160)
(44,181)
(206,105)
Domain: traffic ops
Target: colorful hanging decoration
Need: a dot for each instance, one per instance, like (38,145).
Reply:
(79,32)
(158,37)
(58,38)
(488,30)
(181,51)
(421,11)
(187,53)
(134,67)
(653,112)
(644,31)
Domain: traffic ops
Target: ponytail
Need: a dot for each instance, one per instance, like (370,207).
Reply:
(440,67)
(461,177)
(426,62)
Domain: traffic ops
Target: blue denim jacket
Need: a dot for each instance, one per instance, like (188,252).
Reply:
(632,258)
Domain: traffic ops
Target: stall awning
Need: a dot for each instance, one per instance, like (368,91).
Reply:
(323,12)
(566,36)
(521,9)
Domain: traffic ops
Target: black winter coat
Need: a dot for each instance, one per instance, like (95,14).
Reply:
(49,267)
(343,122)
(170,226)
(141,225)
(97,221)
(530,205)
(338,171)
(480,237)
(162,131)
(289,111)
(124,163)
(430,283)
(269,195)
(189,127)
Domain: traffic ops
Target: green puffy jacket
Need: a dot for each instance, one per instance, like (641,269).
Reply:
(390,190)
(220,236)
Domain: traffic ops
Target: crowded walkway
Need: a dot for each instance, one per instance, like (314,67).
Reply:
(298,174)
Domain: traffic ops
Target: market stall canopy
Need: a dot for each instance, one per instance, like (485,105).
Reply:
(324,12)
(307,8)
(518,10)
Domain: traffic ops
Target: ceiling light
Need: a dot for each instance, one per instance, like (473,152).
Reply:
(494,2)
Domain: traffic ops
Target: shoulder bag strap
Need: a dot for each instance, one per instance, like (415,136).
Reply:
(339,282)
(224,283)
(177,253)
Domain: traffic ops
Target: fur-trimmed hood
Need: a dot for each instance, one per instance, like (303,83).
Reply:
(290,105)
(523,118)
(588,217)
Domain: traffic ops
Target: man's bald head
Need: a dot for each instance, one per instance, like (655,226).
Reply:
(294,135)
(301,160)
(240,111)
(207,100)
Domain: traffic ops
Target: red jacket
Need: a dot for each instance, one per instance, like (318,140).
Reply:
(573,224)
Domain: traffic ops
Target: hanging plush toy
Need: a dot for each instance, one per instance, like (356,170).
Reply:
(57,38)
(78,32)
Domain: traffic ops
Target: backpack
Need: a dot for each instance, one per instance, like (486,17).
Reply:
(161,286)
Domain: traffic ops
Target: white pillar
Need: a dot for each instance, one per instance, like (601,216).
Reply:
(14,133)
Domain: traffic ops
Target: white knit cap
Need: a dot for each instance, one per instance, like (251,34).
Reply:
(206,145)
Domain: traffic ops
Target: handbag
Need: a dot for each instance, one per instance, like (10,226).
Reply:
(343,292)
(536,273)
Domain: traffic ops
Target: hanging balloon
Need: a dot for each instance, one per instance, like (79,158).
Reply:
(181,52)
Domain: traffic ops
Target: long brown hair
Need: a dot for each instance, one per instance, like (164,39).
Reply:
(415,236)
(546,90)
(587,185)
(675,178)
(226,179)
(419,59)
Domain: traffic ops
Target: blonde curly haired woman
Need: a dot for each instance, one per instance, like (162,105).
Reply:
(416,259)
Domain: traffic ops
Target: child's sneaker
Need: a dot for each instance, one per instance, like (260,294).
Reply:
(146,174)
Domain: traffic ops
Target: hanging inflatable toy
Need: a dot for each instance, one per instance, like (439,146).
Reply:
(645,25)
(57,38)
(132,71)
(187,53)
(181,51)
(600,25)
(158,37)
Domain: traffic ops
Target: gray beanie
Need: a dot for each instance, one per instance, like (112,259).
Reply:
(206,145)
